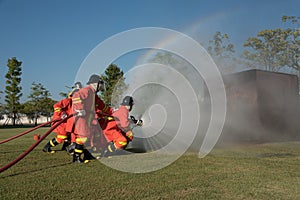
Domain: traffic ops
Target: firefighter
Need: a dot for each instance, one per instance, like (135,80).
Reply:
(97,140)
(84,106)
(62,109)
(118,131)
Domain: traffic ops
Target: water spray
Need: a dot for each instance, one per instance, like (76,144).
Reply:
(168,96)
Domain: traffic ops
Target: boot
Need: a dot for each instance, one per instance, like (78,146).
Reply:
(65,144)
(87,155)
(51,143)
(110,150)
(70,149)
(77,153)
(76,158)
(47,148)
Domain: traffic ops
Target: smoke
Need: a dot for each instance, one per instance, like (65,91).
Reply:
(162,97)
(168,96)
(256,109)
(262,107)
(183,103)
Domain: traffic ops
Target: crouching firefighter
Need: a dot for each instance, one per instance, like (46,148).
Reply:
(62,109)
(83,103)
(118,131)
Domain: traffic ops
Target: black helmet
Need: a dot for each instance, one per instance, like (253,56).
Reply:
(95,79)
(77,85)
(127,101)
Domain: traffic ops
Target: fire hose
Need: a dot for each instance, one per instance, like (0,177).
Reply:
(28,131)
(20,157)
(137,122)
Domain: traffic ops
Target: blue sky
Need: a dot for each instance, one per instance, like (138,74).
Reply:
(53,37)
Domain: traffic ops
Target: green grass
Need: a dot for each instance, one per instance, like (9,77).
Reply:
(265,171)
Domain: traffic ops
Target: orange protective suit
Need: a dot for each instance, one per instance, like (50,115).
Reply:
(118,130)
(102,111)
(83,100)
(84,127)
(63,107)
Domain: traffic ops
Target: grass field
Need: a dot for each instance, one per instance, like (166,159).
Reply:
(264,171)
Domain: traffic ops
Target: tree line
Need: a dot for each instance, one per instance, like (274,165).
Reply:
(39,102)
(272,50)
(276,50)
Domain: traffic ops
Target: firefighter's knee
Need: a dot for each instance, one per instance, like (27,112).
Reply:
(79,148)
(61,138)
(120,144)
(81,140)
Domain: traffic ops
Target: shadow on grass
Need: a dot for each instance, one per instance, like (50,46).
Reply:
(121,152)
(37,170)
(275,155)
(20,126)
(135,150)
(12,151)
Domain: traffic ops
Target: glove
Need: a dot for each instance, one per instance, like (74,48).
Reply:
(63,115)
(80,113)
(129,135)
(133,119)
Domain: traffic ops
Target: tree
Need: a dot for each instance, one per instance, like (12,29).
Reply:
(222,51)
(13,88)
(267,49)
(29,110)
(276,49)
(291,54)
(165,58)
(114,84)
(221,46)
(40,103)
(63,94)
(292,19)
(1,109)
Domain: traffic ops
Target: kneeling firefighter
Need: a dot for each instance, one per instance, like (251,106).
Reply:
(118,131)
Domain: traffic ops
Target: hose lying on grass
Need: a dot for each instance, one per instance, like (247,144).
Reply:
(25,153)
(28,131)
